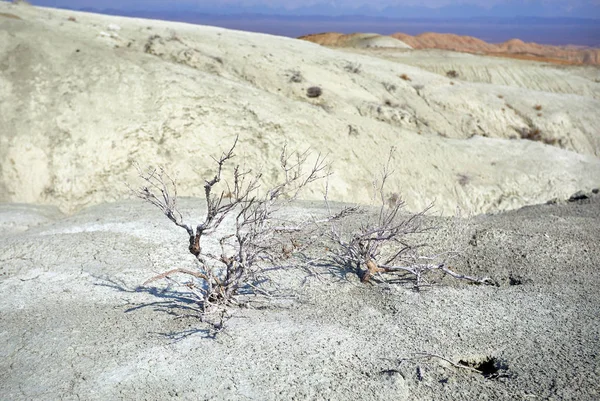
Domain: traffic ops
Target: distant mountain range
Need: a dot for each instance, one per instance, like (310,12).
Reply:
(513,48)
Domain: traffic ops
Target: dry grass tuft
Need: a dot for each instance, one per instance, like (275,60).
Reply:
(535,134)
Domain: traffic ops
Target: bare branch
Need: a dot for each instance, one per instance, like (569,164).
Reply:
(390,243)
(456,365)
(252,244)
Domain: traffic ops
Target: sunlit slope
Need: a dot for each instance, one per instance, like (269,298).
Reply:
(85,97)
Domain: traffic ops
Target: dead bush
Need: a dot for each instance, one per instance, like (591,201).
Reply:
(354,68)
(533,133)
(537,107)
(452,74)
(295,76)
(250,245)
(405,77)
(388,244)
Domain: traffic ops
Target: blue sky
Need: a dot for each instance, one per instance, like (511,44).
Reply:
(555,8)
(291,4)
(295,18)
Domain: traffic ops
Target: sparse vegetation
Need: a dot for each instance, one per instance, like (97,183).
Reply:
(354,68)
(352,130)
(463,179)
(533,133)
(253,240)
(249,245)
(150,43)
(386,243)
(391,88)
(314,91)
(452,74)
(295,76)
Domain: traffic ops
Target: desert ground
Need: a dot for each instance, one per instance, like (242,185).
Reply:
(513,144)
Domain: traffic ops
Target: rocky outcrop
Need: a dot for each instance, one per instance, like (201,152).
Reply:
(512,48)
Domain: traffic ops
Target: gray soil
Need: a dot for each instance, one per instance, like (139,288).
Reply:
(76,324)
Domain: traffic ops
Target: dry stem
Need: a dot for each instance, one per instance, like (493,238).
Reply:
(251,243)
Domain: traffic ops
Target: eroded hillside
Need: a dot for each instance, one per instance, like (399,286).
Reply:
(85,97)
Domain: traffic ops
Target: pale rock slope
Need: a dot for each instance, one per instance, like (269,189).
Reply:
(511,48)
(356,40)
(538,76)
(85,97)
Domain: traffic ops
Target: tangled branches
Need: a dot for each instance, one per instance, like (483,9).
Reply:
(386,243)
(251,243)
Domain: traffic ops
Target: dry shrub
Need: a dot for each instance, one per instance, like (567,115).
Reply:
(463,179)
(405,77)
(537,107)
(452,74)
(254,242)
(388,244)
(533,133)
(295,76)
(354,68)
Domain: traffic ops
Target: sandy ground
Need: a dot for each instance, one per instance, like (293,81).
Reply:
(76,324)
(86,99)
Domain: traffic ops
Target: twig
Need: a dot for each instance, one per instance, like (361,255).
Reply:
(456,365)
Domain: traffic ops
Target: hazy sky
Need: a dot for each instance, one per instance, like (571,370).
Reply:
(401,8)
(291,4)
